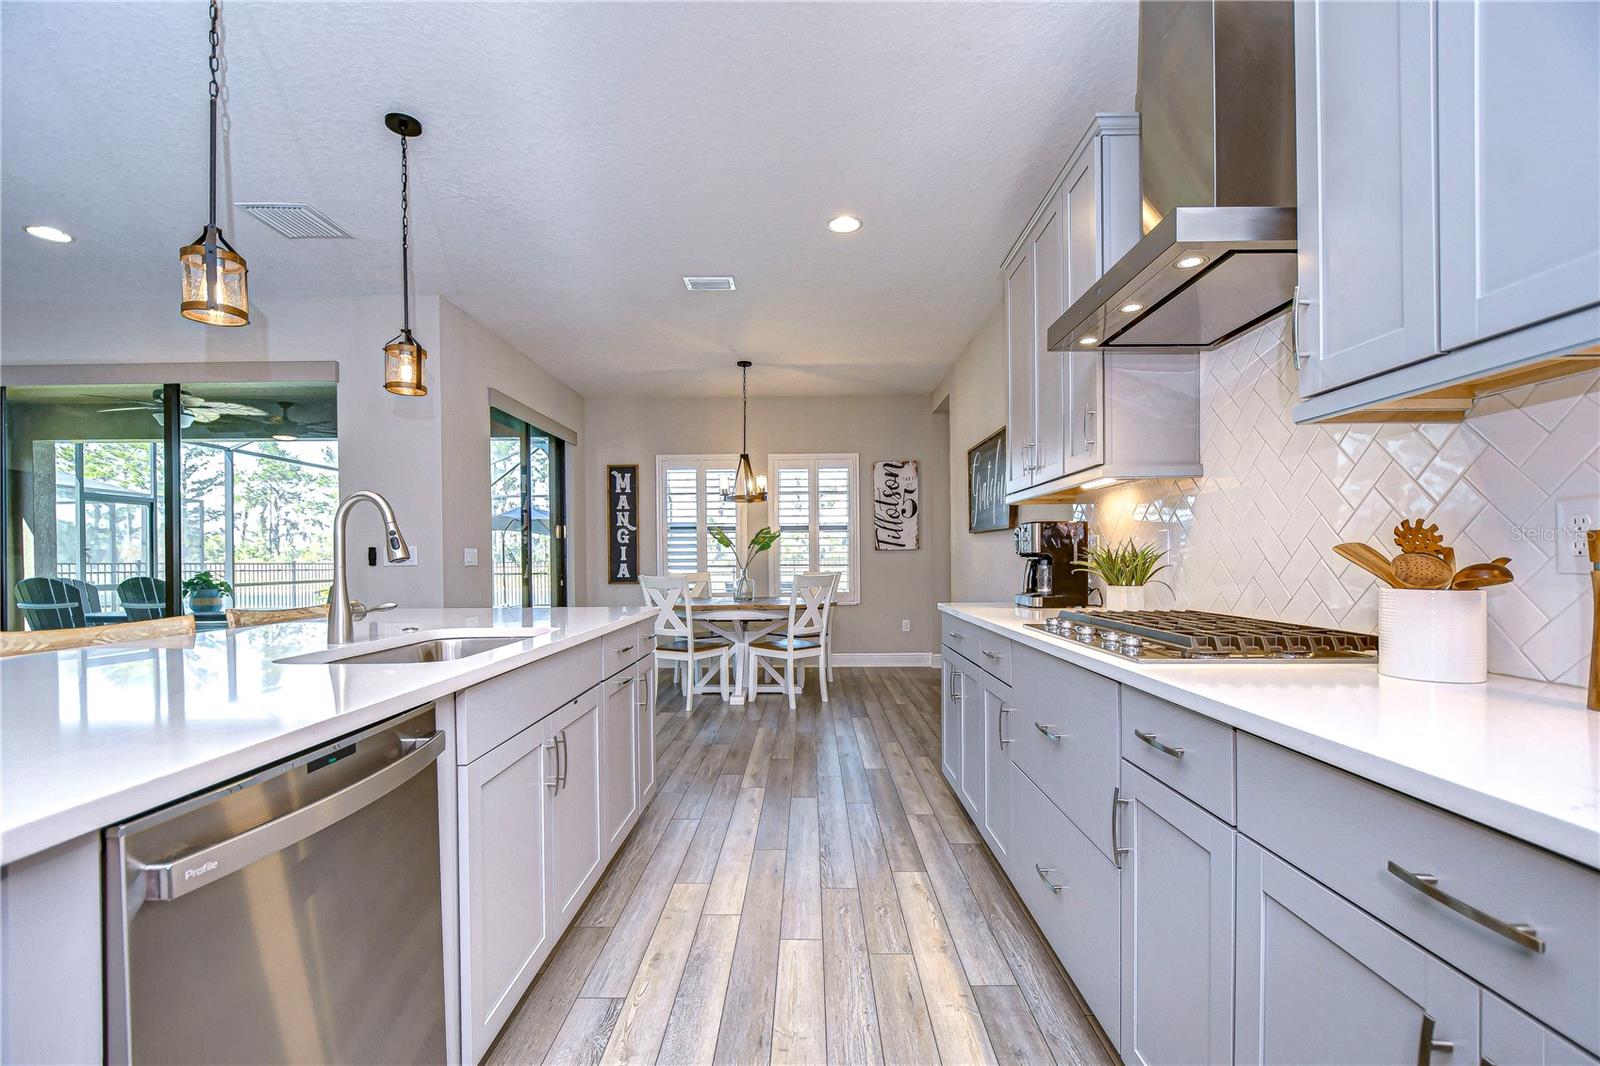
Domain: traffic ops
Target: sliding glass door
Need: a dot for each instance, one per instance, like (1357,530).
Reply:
(527,502)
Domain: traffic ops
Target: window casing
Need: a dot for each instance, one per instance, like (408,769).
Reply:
(813,502)
(689,503)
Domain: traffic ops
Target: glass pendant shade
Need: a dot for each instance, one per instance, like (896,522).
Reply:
(403,360)
(748,486)
(229,305)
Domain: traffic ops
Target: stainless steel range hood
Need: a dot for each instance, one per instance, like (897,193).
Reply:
(1217,177)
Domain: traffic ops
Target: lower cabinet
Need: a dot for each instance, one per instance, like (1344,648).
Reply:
(645,730)
(950,720)
(972,764)
(996,821)
(1511,1038)
(504,926)
(572,818)
(1319,981)
(619,758)
(1177,928)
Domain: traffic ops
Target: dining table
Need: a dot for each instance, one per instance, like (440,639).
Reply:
(740,622)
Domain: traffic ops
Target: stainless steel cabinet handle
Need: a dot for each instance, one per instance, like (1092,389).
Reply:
(189,871)
(1044,872)
(561,760)
(1294,329)
(622,684)
(954,636)
(999,726)
(1427,1045)
(989,654)
(1428,885)
(625,650)
(1117,850)
(553,783)
(1088,413)
(1150,739)
(1049,731)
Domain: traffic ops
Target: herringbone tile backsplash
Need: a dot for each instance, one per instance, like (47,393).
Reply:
(1255,534)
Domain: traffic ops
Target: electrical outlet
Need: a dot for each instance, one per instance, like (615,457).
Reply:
(905,625)
(1574,518)
(469,556)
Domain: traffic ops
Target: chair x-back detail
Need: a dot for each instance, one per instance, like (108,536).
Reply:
(677,643)
(805,637)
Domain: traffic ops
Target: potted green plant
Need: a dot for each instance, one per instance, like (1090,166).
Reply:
(1125,569)
(766,537)
(205,592)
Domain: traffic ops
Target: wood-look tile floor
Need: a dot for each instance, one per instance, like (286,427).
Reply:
(803,888)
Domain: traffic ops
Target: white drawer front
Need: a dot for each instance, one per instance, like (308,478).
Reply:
(1347,832)
(497,709)
(961,637)
(994,655)
(1074,893)
(1064,735)
(1193,755)
(623,648)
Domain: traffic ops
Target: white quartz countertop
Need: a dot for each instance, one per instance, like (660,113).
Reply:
(91,738)
(1519,756)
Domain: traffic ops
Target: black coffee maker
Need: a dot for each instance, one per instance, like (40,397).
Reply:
(1053,551)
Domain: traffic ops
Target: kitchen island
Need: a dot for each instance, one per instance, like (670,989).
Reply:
(96,737)
(1219,851)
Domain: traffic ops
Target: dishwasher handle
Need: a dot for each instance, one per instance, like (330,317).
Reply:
(182,875)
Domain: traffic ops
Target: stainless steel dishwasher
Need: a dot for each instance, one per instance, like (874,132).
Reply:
(290,916)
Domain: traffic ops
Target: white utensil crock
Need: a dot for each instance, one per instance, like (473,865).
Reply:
(1124,597)
(1434,634)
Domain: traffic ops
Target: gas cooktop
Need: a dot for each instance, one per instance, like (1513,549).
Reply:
(1201,636)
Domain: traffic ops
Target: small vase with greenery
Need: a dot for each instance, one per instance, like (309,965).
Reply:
(743,587)
(1125,569)
(205,592)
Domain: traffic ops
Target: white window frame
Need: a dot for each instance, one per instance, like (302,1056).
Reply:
(853,461)
(663,463)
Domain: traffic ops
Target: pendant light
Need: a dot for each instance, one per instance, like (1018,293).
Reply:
(214,275)
(748,486)
(403,357)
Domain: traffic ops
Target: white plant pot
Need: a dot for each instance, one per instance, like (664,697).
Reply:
(1434,634)
(1125,597)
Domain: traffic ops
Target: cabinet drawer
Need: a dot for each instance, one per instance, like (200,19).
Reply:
(622,649)
(994,655)
(499,708)
(961,636)
(1063,732)
(1191,753)
(1073,892)
(1356,837)
(1511,1037)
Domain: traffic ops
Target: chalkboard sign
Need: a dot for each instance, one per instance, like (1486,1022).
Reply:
(622,491)
(986,485)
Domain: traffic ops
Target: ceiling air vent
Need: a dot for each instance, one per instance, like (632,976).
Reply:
(295,221)
(709,284)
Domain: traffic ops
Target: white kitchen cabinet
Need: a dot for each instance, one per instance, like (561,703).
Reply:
(996,821)
(950,719)
(619,758)
(1047,243)
(505,928)
(1511,1038)
(1320,982)
(645,730)
(1519,164)
(572,822)
(1020,343)
(973,767)
(1364,116)
(51,955)
(1177,928)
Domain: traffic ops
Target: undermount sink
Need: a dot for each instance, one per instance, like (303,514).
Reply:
(429,651)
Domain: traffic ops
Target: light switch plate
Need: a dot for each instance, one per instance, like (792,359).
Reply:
(1574,518)
(469,556)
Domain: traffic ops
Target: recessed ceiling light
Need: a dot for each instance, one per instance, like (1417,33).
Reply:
(48,233)
(1088,341)
(844,224)
(1130,308)
(1189,262)
(708,283)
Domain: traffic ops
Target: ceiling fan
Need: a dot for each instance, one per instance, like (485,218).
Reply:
(191,408)
(286,428)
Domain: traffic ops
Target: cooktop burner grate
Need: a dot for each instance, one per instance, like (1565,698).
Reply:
(1204,635)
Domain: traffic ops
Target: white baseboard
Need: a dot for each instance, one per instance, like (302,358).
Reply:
(886,658)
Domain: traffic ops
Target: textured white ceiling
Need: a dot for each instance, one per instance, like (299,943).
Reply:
(577,160)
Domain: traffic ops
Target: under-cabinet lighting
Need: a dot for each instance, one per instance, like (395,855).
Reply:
(1189,262)
(1089,341)
(1098,483)
(1130,308)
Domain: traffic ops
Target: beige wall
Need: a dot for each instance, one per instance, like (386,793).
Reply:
(894,585)
(983,566)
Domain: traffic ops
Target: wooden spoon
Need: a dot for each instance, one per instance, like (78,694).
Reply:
(1371,560)
(1421,570)
(1481,576)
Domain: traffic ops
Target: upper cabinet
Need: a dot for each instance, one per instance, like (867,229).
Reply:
(1449,202)
(1057,402)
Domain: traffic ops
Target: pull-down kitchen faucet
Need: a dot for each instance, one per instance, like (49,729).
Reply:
(394,546)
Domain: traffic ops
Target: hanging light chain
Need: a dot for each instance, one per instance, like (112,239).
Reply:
(216,91)
(744,407)
(405,234)
(216,43)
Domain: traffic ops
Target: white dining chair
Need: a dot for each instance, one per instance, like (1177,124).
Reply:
(801,639)
(677,643)
(827,637)
(699,584)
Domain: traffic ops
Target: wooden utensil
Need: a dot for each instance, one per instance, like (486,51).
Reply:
(1371,560)
(1421,570)
(1593,537)
(1412,538)
(1481,576)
